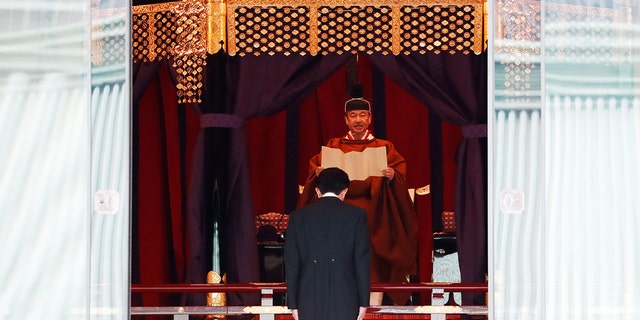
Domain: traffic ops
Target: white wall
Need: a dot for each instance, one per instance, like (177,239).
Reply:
(565,125)
(61,140)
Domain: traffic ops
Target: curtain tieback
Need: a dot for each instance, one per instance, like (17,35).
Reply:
(220,120)
(475,131)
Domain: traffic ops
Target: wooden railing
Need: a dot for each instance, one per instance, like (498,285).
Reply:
(267,310)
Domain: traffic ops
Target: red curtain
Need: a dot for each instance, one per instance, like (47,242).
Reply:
(164,135)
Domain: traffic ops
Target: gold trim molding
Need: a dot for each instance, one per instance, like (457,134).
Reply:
(407,22)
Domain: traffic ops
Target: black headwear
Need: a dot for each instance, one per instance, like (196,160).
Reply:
(356,102)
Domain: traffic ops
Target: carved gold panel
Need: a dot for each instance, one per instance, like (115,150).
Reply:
(334,26)
(175,31)
(185,31)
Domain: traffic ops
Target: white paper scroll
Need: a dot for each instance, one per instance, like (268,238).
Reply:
(358,165)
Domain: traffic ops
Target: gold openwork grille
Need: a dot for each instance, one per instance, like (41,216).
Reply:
(184,31)
(332,26)
(190,51)
(271,29)
(438,29)
(176,31)
(153,34)
(355,29)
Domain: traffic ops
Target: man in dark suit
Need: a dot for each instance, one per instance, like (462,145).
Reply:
(327,255)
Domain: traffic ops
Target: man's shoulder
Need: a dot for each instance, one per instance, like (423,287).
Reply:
(333,142)
(352,207)
(331,202)
(322,206)
(382,142)
(318,204)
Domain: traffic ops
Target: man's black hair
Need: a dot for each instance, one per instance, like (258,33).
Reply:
(332,180)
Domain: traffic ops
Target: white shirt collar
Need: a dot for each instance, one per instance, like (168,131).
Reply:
(367,136)
(330,194)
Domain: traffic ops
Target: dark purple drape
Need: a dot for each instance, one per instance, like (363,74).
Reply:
(207,174)
(258,86)
(454,87)
(142,74)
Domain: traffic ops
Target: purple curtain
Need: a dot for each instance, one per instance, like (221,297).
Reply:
(454,87)
(202,204)
(142,75)
(258,86)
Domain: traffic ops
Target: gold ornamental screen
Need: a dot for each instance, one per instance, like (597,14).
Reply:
(312,27)
(185,31)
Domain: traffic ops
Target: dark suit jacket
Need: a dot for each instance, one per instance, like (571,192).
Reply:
(327,260)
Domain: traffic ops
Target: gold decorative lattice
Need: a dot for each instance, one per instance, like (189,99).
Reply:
(271,29)
(177,31)
(341,26)
(153,32)
(190,51)
(440,29)
(186,30)
(141,38)
(355,29)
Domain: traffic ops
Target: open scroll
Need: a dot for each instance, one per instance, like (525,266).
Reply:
(358,165)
